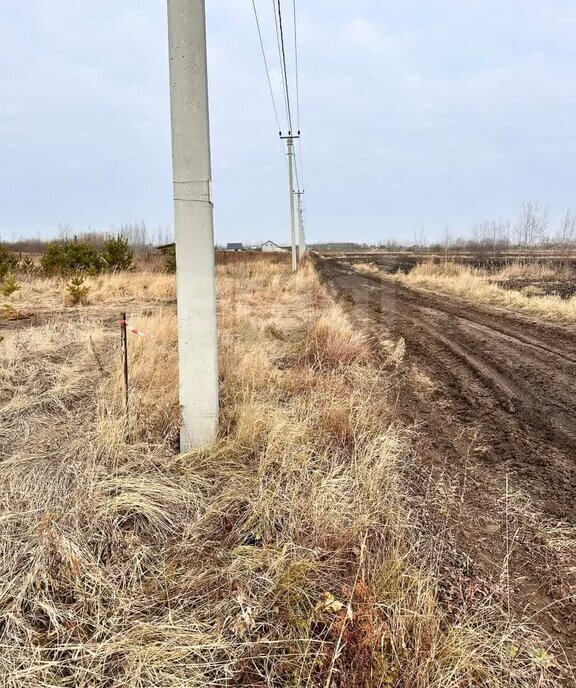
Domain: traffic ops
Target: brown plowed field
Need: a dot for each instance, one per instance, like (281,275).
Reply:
(492,397)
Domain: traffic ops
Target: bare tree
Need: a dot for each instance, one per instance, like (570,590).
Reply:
(163,236)
(65,232)
(533,224)
(499,235)
(490,236)
(137,236)
(483,233)
(566,235)
(420,239)
(448,240)
(504,234)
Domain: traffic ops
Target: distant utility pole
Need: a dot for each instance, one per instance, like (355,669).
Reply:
(195,279)
(290,145)
(301,236)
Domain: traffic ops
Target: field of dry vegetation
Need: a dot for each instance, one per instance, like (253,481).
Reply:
(289,554)
(519,286)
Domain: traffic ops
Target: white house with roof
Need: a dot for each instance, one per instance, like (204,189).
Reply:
(271,247)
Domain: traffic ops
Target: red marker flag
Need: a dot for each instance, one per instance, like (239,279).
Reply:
(134,330)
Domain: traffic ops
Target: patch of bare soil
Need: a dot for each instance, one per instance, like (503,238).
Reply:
(492,397)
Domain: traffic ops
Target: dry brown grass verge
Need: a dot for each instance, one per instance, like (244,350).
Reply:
(480,286)
(115,289)
(284,556)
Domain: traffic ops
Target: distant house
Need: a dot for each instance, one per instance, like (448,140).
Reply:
(271,247)
(166,248)
(234,247)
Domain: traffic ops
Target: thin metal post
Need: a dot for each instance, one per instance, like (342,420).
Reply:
(124,341)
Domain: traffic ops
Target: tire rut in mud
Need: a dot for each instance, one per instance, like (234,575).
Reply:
(508,384)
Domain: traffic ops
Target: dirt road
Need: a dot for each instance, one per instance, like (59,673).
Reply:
(493,398)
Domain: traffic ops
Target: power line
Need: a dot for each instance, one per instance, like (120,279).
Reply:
(297,173)
(301,163)
(268,77)
(285,67)
(279,46)
(296,63)
(266,65)
(298,161)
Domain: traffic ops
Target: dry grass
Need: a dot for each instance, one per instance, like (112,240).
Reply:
(123,288)
(285,555)
(535,271)
(368,268)
(477,285)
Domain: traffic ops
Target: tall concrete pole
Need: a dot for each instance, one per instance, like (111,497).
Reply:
(301,237)
(290,142)
(195,277)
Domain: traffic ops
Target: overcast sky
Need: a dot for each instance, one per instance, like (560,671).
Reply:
(414,114)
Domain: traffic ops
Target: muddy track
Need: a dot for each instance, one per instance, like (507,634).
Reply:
(503,413)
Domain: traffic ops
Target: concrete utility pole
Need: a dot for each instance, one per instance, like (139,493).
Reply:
(290,145)
(301,236)
(195,279)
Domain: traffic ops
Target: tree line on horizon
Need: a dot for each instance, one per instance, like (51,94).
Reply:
(532,229)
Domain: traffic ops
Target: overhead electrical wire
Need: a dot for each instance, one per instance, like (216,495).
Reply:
(279,24)
(296,172)
(279,47)
(266,65)
(296,65)
(283,56)
(280,34)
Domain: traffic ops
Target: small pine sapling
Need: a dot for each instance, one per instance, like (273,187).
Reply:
(77,291)
(117,254)
(9,285)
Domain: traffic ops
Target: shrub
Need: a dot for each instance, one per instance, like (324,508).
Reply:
(117,255)
(61,258)
(8,260)
(6,255)
(9,285)
(27,265)
(77,291)
(332,341)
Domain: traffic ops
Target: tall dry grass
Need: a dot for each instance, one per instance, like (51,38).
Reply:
(535,271)
(285,555)
(480,286)
(40,294)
